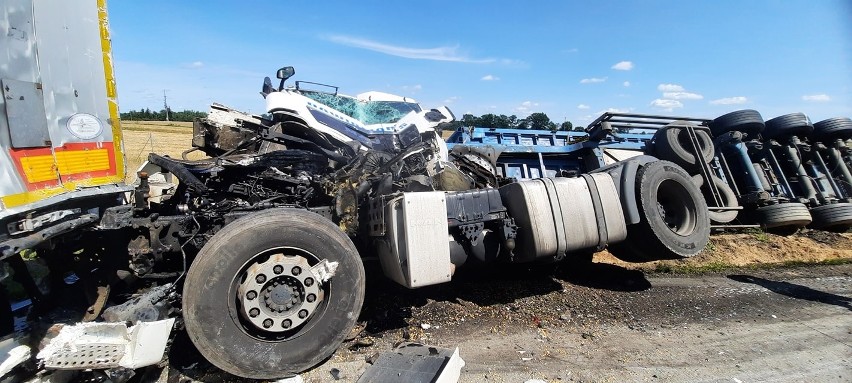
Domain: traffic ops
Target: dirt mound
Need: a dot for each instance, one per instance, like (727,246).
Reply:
(752,248)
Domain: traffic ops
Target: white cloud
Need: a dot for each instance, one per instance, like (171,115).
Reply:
(525,106)
(572,50)
(582,106)
(682,96)
(730,101)
(616,110)
(626,83)
(623,65)
(412,88)
(451,100)
(670,88)
(489,78)
(816,97)
(592,80)
(444,53)
(667,105)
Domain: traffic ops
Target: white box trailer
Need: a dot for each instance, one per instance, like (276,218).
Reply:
(60,139)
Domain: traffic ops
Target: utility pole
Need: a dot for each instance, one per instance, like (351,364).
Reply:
(165,104)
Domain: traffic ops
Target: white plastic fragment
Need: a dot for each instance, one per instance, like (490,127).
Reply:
(13,354)
(292,379)
(452,370)
(325,269)
(107,345)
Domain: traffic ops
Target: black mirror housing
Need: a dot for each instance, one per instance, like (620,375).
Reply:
(286,72)
(267,87)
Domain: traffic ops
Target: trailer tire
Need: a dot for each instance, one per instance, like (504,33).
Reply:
(672,144)
(674,223)
(782,218)
(747,121)
(729,199)
(213,300)
(788,125)
(833,128)
(835,217)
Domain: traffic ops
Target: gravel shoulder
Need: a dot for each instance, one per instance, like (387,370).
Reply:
(782,324)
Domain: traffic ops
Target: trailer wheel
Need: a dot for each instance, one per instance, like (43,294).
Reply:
(835,217)
(254,300)
(782,218)
(674,221)
(788,125)
(729,199)
(672,144)
(833,128)
(747,121)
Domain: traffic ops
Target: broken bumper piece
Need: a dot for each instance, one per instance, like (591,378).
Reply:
(107,345)
(414,362)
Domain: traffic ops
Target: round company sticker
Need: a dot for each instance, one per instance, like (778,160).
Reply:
(85,126)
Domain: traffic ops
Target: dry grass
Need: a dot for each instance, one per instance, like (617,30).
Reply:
(164,138)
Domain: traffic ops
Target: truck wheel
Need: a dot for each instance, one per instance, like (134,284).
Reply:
(835,217)
(254,300)
(782,218)
(672,144)
(729,199)
(747,121)
(674,221)
(788,125)
(833,128)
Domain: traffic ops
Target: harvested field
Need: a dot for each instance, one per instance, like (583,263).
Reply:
(161,137)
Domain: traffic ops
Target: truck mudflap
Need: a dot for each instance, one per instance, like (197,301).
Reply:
(624,176)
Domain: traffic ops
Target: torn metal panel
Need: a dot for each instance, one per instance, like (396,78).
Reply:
(12,354)
(325,269)
(151,306)
(107,345)
(414,362)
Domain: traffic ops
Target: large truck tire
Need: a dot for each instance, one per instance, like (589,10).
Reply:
(729,199)
(834,217)
(747,121)
(254,276)
(672,144)
(833,128)
(788,125)
(782,218)
(674,223)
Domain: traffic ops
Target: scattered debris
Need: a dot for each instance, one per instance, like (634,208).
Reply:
(335,373)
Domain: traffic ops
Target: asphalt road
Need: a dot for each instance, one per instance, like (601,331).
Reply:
(606,324)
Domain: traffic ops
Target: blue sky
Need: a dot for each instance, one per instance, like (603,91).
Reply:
(571,60)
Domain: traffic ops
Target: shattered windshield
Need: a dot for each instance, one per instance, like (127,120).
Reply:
(368,112)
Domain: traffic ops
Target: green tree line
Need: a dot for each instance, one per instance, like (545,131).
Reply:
(152,115)
(536,121)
